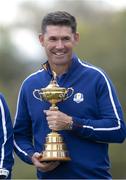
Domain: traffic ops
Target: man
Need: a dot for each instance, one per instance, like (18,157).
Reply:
(88,121)
(6,141)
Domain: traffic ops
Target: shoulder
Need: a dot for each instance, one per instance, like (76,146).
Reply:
(3,103)
(92,69)
(96,75)
(2,98)
(1,95)
(90,66)
(32,78)
(34,75)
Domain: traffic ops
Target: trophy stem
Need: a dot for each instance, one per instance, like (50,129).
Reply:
(53,107)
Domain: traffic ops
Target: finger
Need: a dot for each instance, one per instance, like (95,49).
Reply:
(45,111)
(50,112)
(49,166)
(37,155)
(53,165)
(36,162)
(52,126)
(52,118)
(45,166)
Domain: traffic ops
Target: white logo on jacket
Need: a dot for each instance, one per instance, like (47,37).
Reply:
(78,97)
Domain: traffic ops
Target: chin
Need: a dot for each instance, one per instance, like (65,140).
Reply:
(60,62)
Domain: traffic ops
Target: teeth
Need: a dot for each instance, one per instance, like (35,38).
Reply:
(59,54)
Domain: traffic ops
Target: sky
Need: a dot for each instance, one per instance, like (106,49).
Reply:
(9,9)
(8,13)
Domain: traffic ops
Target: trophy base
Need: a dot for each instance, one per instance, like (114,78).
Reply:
(55,149)
(47,159)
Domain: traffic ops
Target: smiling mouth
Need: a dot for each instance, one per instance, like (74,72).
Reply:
(59,53)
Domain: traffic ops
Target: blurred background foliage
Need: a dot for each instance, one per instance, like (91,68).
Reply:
(102,42)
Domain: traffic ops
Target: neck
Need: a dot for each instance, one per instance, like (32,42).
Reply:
(59,69)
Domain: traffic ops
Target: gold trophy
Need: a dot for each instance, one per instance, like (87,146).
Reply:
(54,148)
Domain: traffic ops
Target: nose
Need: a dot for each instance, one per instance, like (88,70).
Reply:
(59,44)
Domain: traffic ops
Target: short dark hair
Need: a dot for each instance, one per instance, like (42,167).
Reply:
(60,18)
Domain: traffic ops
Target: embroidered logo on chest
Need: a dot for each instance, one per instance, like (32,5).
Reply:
(78,97)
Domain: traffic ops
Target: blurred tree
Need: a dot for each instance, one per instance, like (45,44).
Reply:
(12,68)
(10,62)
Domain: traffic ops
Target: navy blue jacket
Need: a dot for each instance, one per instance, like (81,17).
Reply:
(6,140)
(97,116)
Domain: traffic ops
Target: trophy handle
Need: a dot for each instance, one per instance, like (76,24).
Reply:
(36,94)
(72,91)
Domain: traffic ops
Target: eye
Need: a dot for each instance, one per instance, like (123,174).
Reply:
(52,38)
(66,38)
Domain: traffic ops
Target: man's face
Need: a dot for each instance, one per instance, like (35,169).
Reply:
(58,42)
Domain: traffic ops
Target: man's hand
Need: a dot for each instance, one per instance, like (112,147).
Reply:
(43,166)
(58,120)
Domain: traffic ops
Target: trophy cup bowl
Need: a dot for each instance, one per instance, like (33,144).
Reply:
(54,148)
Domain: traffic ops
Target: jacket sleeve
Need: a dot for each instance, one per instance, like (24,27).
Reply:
(6,140)
(109,126)
(23,144)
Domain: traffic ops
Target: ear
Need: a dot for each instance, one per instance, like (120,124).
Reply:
(41,39)
(76,37)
